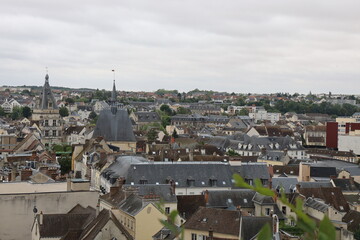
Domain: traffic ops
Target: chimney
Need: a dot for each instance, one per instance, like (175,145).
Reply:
(206,196)
(211,233)
(173,187)
(114,190)
(263,151)
(41,218)
(97,209)
(120,182)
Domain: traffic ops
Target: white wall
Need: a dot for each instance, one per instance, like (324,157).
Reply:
(16,210)
(347,143)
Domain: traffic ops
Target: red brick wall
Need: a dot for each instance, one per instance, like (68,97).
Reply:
(332,135)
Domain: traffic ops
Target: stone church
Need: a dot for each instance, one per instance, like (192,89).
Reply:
(46,115)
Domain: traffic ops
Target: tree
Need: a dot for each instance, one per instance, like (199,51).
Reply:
(92,115)
(65,165)
(2,112)
(69,101)
(26,112)
(16,113)
(152,134)
(182,110)
(166,109)
(174,134)
(64,112)
(244,112)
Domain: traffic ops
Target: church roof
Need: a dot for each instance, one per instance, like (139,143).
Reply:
(46,96)
(114,125)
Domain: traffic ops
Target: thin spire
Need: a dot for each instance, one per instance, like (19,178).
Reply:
(113,93)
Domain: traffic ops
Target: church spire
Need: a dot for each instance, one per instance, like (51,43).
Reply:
(113,93)
(47,100)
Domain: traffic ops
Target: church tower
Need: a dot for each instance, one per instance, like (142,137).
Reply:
(47,117)
(47,100)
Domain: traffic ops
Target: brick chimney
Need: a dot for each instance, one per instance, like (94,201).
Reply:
(211,233)
(206,196)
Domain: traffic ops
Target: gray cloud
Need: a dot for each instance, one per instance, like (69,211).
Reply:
(241,46)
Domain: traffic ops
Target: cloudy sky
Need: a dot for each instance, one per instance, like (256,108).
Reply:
(236,46)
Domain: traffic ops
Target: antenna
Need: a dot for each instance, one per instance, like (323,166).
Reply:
(114,74)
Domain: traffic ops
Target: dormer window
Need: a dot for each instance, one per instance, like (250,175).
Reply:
(191,182)
(213,182)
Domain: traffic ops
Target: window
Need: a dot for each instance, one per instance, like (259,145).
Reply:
(54,132)
(54,123)
(46,133)
(292,223)
(267,211)
(167,210)
(46,123)
(284,209)
(193,236)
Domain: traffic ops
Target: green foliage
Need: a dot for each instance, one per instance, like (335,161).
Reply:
(182,110)
(69,101)
(152,134)
(325,230)
(2,112)
(244,112)
(162,92)
(65,165)
(310,107)
(232,153)
(26,112)
(174,134)
(265,233)
(92,115)
(357,234)
(16,113)
(167,110)
(63,111)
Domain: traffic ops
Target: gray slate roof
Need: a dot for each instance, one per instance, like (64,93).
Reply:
(238,197)
(181,172)
(119,168)
(286,183)
(133,205)
(47,96)
(251,170)
(114,125)
(317,204)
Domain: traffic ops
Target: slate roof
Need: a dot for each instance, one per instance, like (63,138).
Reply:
(189,204)
(164,191)
(332,196)
(165,234)
(251,226)
(262,199)
(347,185)
(317,204)
(323,172)
(352,218)
(183,173)
(147,116)
(47,96)
(58,225)
(251,170)
(220,220)
(354,171)
(119,168)
(314,184)
(133,204)
(288,184)
(95,227)
(238,197)
(114,125)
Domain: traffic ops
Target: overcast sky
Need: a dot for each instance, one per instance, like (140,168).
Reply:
(235,46)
